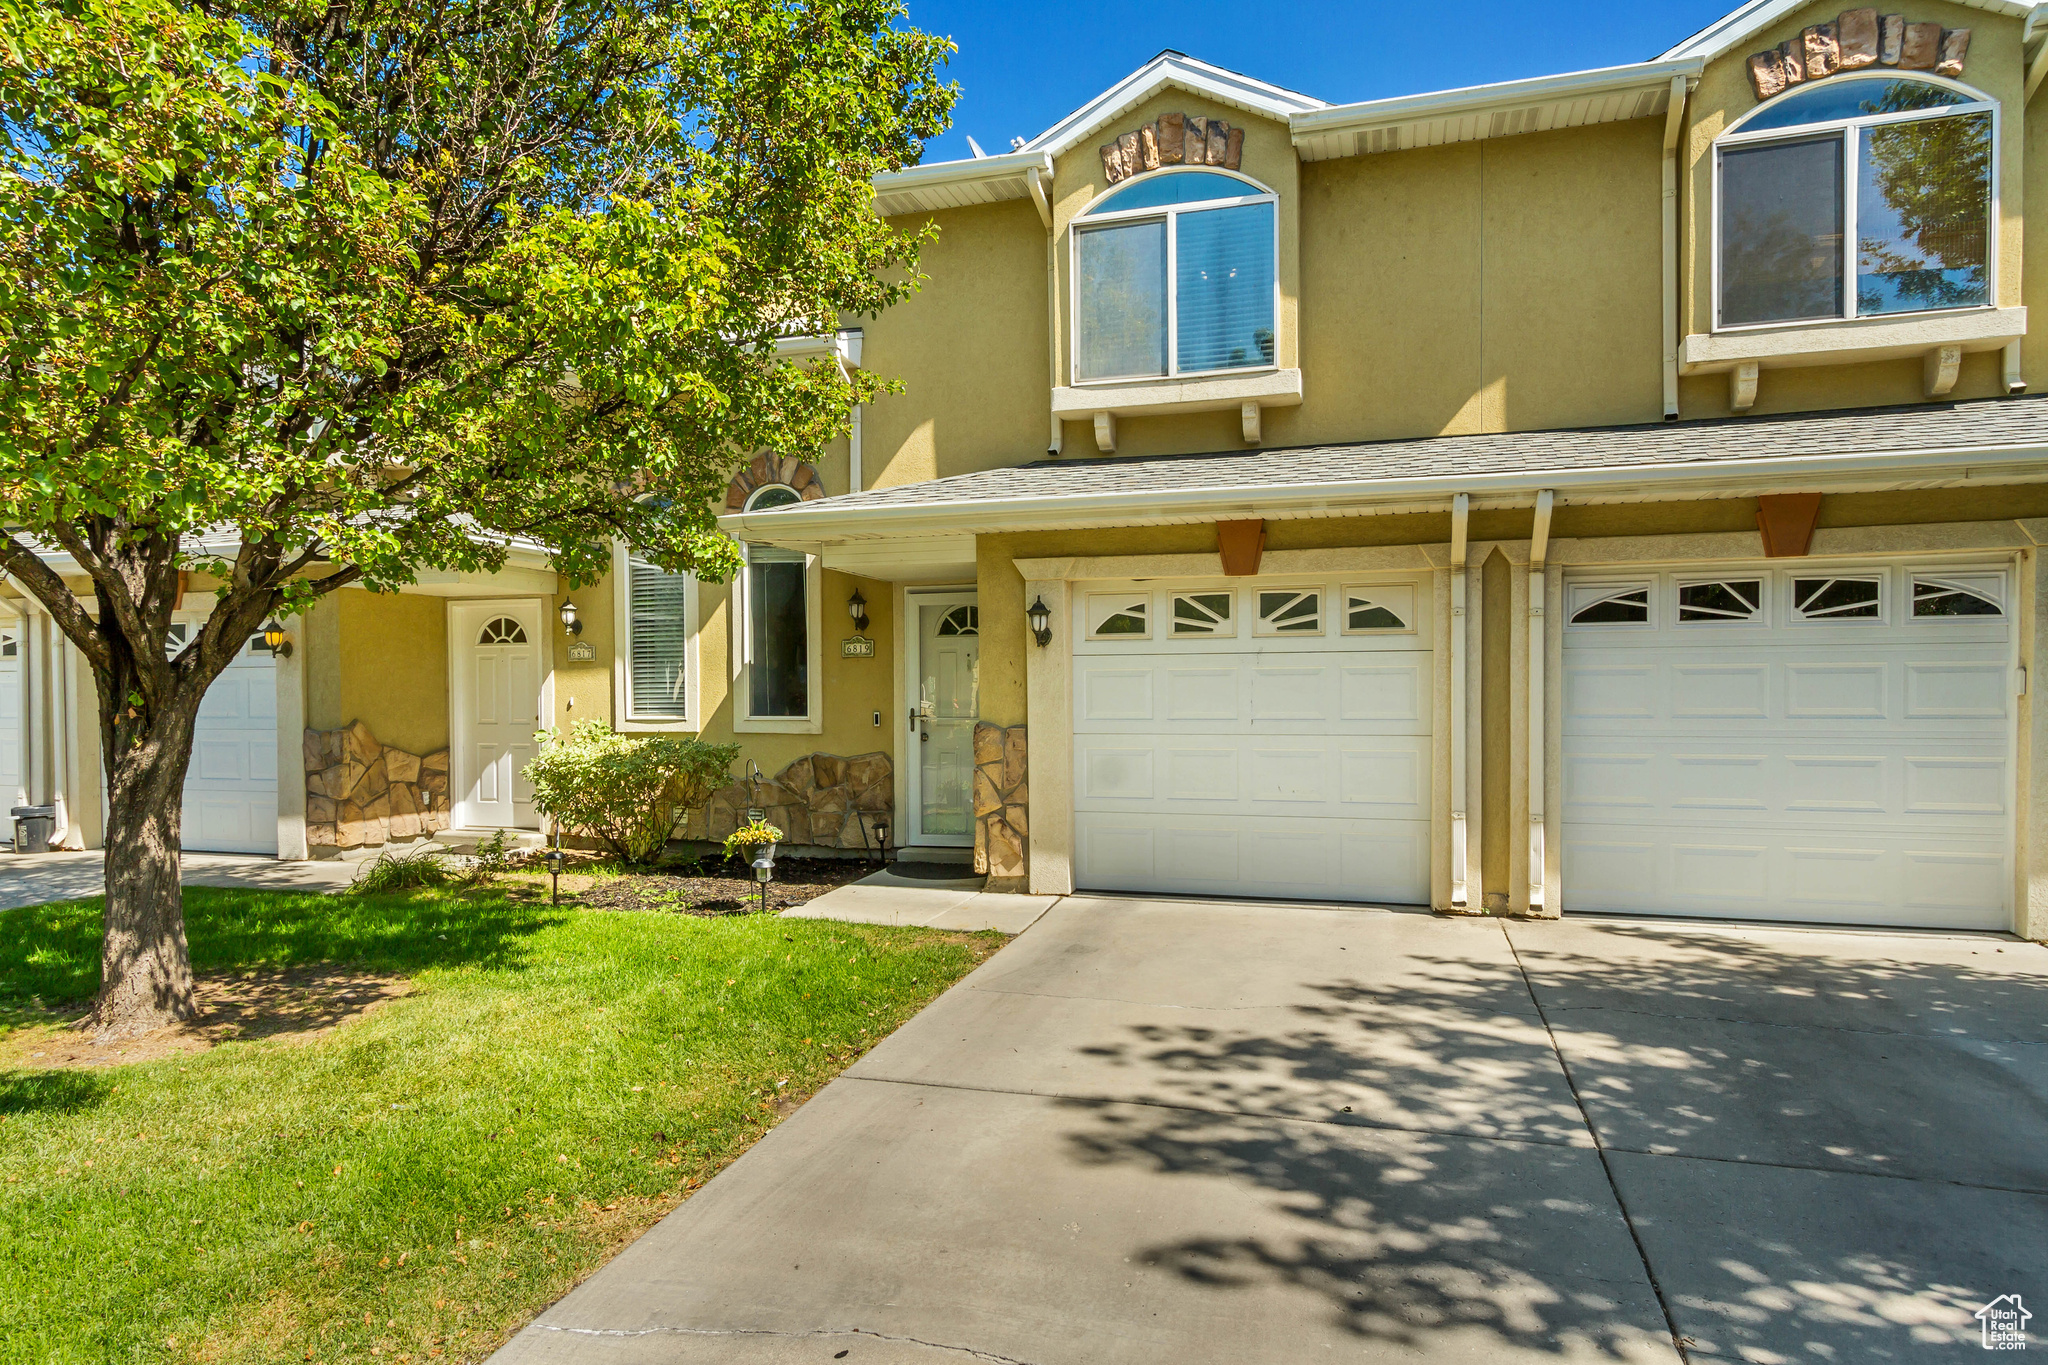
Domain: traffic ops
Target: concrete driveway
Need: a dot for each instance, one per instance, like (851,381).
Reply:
(1191,1132)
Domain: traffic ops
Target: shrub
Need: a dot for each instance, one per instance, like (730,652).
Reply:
(748,836)
(624,790)
(418,866)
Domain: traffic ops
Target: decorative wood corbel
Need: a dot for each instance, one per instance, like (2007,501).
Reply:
(1786,521)
(1241,544)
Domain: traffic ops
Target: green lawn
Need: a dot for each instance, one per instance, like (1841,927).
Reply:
(419,1182)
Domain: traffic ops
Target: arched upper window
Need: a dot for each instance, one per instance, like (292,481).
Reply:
(1174,275)
(1860,196)
(501,630)
(774,495)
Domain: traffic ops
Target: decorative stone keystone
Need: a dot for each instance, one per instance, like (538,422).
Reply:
(1857,40)
(1172,140)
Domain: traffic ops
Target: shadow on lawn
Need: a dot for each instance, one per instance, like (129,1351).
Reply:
(1411,1235)
(50,957)
(52,1092)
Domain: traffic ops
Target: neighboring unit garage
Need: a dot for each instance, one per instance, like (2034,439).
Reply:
(1824,743)
(1254,737)
(231,785)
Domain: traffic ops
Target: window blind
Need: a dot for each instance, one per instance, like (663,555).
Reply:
(1224,260)
(658,604)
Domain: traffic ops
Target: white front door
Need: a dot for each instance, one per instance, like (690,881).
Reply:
(1264,737)
(231,785)
(945,703)
(1820,742)
(495,677)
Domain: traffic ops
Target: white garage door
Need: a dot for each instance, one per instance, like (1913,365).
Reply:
(1824,744)
(12,793)
(1261,737)
(231,786)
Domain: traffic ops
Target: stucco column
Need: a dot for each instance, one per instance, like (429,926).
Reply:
(1519,740)
(290,674)
(1049,681)
(84,808)
(1553,743)
(2030,901)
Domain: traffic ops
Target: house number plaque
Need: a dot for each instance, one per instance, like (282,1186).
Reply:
(857,647)
(582,652)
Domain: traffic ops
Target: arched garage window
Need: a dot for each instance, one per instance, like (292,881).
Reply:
(1174,275)
(1859,196)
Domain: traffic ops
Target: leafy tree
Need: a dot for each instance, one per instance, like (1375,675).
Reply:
(325,294)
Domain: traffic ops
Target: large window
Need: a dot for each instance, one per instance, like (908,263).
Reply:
(1174,275)
(657,642)
(778,645)
(1858,197)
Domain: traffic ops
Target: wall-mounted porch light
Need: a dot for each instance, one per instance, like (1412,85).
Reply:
(857,607)
(1041,622)
(571,621)
(274,639)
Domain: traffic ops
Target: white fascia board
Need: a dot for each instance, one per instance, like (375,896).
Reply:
(1005,172)
(1474,99)
(844,344)
(1171,69)
(821,523)
(1734,29)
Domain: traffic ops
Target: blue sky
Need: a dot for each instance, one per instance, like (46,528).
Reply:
(1021,68)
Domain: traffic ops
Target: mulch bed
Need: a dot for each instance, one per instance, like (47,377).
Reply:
(721,886)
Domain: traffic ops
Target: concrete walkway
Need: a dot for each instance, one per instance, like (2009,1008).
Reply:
(36,878)
(1192,1132)
(888,898)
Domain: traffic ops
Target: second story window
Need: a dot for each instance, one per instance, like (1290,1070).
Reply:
(1857,197)
(1174,275)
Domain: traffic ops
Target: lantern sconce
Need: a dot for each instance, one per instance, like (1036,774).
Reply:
(857,607)
(1041,622)
(274,640)
(571,620)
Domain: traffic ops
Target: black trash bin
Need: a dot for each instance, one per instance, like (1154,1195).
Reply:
(32,826)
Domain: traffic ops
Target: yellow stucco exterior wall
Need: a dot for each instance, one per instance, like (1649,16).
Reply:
(379,658)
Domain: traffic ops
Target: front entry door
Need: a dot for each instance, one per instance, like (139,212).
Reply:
(495,677)
(944,706)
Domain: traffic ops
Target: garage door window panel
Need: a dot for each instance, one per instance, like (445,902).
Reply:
(1838,599)
(1119,617)
(1610,604)
(1954,597)
(1376,611)
(1200,615)
(1291,612)
(1724,601)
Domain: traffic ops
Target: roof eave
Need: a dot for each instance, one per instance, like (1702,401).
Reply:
(1171,69)
(822,523)
(1740,25)
(1574,94)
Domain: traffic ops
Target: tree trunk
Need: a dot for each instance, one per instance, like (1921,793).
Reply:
(145,965)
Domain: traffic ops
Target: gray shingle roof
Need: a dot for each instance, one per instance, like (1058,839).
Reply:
(1997,422)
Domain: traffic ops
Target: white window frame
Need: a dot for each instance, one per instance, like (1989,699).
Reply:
(1092,601)
(813,720)
(1265,629)
(1580,595)
(624,721)
(1230,622)
(1367,590)
(1988,584)
(1761,619)
(1850,130)
(1882,577)
(1166,213)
